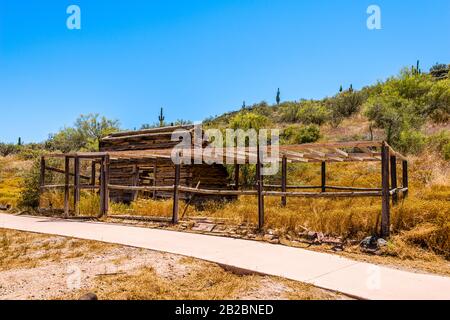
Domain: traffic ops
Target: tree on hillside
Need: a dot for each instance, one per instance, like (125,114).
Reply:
(85,134)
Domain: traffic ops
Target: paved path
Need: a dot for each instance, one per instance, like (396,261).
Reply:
(324,270)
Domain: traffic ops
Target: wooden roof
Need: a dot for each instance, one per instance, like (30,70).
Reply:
(353,151)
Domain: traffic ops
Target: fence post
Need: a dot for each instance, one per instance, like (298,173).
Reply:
(236,176)
(394,179)
(283,180)
(76,186)
(107,163)
(41,178)
(385,214)
(93,173)
(176,194)
(260,183)
(66,185)
(323,176)
(405,177)
(102,186)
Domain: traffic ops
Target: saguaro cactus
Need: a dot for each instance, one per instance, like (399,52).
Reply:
(161,118)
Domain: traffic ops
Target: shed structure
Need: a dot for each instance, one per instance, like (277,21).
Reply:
(141,162)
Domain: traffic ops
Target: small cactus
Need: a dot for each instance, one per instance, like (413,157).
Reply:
(278,98)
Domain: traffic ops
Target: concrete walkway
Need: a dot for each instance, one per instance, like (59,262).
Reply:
(323,270)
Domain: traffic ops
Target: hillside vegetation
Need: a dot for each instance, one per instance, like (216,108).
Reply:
(411,111)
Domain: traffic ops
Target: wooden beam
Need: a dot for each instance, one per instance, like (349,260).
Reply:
(393,160)
(66,186)
(283,180)
(63,172)
(176,194)
(323,176)
(385,209)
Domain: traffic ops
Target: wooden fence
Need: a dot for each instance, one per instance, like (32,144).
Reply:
(388,190)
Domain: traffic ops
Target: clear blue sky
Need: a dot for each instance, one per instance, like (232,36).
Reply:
(197,58)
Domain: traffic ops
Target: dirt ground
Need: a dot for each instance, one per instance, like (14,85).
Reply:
(34,266)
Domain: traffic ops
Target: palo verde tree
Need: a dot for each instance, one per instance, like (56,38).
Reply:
(84,135)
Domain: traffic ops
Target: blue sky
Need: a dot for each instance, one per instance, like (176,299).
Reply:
(197,58)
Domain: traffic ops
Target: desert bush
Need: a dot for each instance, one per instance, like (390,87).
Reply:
(411,141)
(29,197)
(312,112)
(300,134)
(7,149)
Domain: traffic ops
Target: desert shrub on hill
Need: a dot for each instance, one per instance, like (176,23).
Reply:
(300,134)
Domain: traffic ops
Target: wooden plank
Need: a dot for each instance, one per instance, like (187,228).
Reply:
(324,195)
(176,194)
(385,209)
(63,172)
(140,188)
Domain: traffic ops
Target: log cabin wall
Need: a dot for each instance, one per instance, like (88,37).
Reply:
(158,171)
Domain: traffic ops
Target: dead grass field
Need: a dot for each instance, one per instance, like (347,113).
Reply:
(34,266)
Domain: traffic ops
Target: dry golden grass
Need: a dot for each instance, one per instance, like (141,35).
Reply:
(420,224)
(28,250)
(11,179)
(203,281)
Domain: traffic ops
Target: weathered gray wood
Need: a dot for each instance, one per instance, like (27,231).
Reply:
(385,206)
(63,172)
(394,178)
(176,194)
(141,188)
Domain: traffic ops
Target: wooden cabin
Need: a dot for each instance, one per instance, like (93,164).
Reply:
(157,169)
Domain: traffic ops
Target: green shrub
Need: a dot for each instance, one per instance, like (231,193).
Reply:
(446,151)
(299,135)
(411,141)
(289,112)
(29,197)
(312,112)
